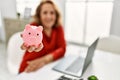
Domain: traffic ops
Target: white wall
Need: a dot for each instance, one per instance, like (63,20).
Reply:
(115,24)
(8,8)
(61,5)
(2,33)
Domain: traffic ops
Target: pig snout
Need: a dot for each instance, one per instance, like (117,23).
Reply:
(33,38)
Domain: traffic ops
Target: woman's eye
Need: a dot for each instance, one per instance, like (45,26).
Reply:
(52,12)
(37,34)
(45,12)
(29,33)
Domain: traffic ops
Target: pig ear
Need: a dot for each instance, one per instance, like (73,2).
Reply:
(40,28)
(28,26)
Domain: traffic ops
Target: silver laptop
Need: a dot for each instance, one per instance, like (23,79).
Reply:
(76,66)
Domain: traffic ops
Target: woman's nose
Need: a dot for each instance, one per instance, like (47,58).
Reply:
(49,15)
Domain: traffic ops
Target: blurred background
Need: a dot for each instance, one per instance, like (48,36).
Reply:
(83,19)
(83,22)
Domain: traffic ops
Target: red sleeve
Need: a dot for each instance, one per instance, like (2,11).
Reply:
(61,44)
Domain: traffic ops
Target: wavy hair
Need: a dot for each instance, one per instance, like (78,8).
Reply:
(38,11)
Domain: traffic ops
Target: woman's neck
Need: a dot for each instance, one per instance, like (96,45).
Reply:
(48,31)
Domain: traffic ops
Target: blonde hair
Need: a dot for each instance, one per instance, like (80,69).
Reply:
(38,10)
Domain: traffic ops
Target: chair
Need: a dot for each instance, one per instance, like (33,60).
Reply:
(14,53)
(111,44)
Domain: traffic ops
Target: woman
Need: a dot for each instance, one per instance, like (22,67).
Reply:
(53,45)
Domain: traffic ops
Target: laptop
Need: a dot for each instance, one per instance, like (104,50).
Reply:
(76,66)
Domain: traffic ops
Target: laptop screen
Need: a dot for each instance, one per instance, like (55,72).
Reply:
(90,53)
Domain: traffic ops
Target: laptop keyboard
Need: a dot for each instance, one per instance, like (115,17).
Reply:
(75,66)
(66,78)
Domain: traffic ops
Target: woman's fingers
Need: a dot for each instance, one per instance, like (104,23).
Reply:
(23,47)
(31,67)
(39,48)
(34,65)
(41,65)
(31,49)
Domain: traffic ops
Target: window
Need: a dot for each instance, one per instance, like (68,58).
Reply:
(87,20)
(0,19)
(2,32)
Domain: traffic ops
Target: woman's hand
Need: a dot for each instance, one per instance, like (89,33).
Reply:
(38,63)
(35,65)
(32,48)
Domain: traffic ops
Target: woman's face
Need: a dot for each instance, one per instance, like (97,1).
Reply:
(48,15)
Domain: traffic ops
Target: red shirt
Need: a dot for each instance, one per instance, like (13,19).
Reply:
(55,45)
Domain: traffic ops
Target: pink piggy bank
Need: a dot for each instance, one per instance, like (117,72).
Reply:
(32,35)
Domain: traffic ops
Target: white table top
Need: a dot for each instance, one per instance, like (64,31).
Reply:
(105,65)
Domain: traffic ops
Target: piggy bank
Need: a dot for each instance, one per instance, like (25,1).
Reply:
(32,35)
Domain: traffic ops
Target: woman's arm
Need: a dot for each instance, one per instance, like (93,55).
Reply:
(36,64)
(61,45)
(54,55)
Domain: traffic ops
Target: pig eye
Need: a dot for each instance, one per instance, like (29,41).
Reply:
(29,33)
(37,34)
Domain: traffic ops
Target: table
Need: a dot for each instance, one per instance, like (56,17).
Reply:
(105,65)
